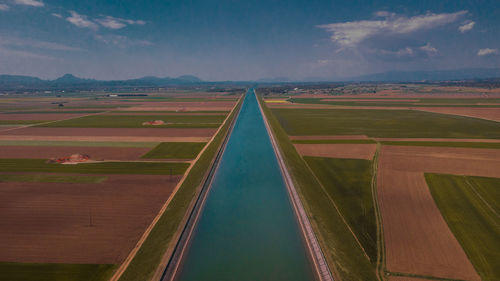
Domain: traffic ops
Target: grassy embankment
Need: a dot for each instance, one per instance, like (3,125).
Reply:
(135,121)
(175,150)
(144,264)
(348,183)
(11,271)
(384,123)
(51,178)
(471,207)
(342,251)
(141,168)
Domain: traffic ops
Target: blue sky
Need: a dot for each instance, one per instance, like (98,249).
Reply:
(244,40)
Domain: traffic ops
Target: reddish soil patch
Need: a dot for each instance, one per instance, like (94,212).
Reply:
(50,223)
(44,116)
(349,151)
(372,100)
(95,153)
(117,132)
(103,138)
(477,112)
(345,137)
(417,238)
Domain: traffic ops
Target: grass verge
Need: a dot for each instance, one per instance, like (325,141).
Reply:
(348,182)
(141,168)
(144,264)
(341,250)
(175,150)
(470,206)
(12,271)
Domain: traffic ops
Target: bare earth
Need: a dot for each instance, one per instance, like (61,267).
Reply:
(438,140)
(50,222)
(477,112)
(116,132)
(44,116)
(417,238)
(95,153)
(103,138)
(348,151)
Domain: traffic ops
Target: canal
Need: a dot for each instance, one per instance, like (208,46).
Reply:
(247,229)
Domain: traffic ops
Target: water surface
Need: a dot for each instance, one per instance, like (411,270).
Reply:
(247,230)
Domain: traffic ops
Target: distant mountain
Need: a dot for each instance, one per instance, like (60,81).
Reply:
(70,78)
(18,79)
(69,81)
(274,80)
(439,75)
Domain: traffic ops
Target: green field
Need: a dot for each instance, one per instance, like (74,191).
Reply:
(51,178)
(10,271)
(368,141)
(402,102)
(341,250)
(471,207)
(143,168)
(348,182)
(491,145)
(175,150)
(53,111)
(149,256)
(135,121)
(383,123)
(78,143)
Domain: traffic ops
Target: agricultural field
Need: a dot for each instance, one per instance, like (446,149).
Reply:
(84,178)
(409,172)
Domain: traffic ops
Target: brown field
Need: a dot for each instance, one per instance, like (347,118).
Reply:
(345,137)
(103,138)
(183,106)
(164,113)
(484,113)
(417,239)
(41,222)
(44,116)
(95,153)
(401,278)
(370,100)
(348,151)
(117,132)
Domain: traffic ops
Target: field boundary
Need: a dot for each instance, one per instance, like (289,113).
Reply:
(319,261)
(119,272)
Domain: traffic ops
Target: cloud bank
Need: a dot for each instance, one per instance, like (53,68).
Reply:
(350,34)
(33,3)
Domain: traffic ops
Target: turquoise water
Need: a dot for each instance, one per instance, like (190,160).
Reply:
(247,230)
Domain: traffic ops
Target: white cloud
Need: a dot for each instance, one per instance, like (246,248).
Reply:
(466,26)
(487,51)
(384,14)
(81,21)
(350,34)
(57,15)
(429,49)
(117,23)
(34,3)
(4,7)
(122,41)
(22,54)
(34,44)
(398,53)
